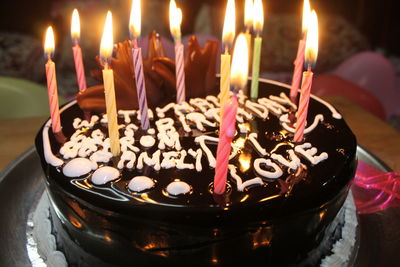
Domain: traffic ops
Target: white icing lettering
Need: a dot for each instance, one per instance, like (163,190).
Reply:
(239,183)
(309,152)
(253,139)
(154,161)
(277,172)
(294,162)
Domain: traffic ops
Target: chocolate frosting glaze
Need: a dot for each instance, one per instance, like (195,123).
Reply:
(159,72)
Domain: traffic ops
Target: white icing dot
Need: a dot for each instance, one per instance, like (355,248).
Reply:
(78,167)
(178,187)
(104,175)
(151,131)
(140,183)
(147,141)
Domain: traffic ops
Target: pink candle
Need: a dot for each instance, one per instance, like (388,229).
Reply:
(180,73)
(299,61)
(175,19)
(227,132)
(77,51)
(298,69)
(80,70)
(238,81)
(303,105)
(52,82)
(311,53)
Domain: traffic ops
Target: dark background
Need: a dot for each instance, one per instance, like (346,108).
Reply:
(378,21)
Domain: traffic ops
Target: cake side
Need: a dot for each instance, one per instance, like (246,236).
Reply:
(260,214)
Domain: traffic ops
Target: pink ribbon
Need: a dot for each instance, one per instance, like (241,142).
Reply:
(374,190)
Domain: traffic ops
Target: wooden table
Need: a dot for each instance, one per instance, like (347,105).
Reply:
(18,135)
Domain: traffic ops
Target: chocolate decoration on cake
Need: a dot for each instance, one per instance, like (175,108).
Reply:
(159,72)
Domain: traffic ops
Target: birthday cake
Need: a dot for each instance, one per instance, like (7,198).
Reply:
(154,204)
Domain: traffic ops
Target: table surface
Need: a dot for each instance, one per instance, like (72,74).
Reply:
(17,135)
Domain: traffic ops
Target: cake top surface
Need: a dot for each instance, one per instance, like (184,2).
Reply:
(172,164)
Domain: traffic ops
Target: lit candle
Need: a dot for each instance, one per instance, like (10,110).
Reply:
(311,53)
(258,24)
(52,82)
(175,19)
(134,30)
(238,81)
(106,49)
(299,61)
(228,35)
(77,51)
(248,19)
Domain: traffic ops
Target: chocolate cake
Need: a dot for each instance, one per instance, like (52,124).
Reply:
(154,203)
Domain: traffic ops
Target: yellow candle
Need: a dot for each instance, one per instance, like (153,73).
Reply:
(227,36)
(248,21)
(258,23)
(106,49)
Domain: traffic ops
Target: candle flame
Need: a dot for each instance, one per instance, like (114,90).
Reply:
(228,32)
(312,40)
(75,26)
(240,63)
(258,19)
(248,14)
(49,42)
(107,42)
(135,19)
(175,20)
(306,15)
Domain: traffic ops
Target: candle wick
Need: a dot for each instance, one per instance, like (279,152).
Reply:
(135,43)
(226,50)
(309,68)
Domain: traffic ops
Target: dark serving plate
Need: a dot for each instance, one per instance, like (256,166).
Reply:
(22,184)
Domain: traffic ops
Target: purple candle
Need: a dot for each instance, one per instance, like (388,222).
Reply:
(134,29)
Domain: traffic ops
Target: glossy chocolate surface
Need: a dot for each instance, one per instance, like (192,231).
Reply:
(277,223)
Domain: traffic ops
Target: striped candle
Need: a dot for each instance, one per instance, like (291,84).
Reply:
(298,69)
(228,35)
(53,96)
(80,70)
(310,57)
(75,35)
(111,108)
(180,73)
(140,87)
(225,80)
(227,132)
(258,24)
(299,61)
(238,80)
(51,81)
(175,20)
(106,50)
(303,106)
